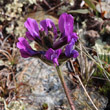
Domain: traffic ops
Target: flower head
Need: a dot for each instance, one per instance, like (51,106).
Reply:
(53,48)
(53,55)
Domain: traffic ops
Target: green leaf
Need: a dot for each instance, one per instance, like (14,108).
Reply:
(90,3)
(81,11)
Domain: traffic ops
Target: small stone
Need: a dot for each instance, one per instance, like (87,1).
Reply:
(91,36)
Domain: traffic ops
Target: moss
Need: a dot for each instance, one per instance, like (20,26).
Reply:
(45,106)
(100,83)
(105,89)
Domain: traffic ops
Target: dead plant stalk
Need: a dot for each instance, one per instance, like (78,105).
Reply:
(86,92)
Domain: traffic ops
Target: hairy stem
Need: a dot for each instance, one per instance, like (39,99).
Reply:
(65,88)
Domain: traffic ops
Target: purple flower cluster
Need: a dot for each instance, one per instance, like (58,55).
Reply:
(55,46)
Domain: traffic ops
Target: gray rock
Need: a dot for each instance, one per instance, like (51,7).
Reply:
(46,88)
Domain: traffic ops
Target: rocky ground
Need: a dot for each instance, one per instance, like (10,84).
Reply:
(47,89)
(44,90)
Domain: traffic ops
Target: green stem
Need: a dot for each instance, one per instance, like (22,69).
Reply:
(65,88)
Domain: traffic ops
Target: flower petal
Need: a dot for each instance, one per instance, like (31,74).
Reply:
(28,35)
(66,24)
(24,54)
(74,36)
(69,50)
(74,54)
(61,22)
(23,44)
(53,55)
(55,61)
(32,28)
(46,24)
(25,48)
(49,53)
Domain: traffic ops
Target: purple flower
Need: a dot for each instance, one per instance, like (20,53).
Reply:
(48,24)
(69,50)
(74,36)
(25,48)
(33,30)
(46,38)
(66,26)
(53,55)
